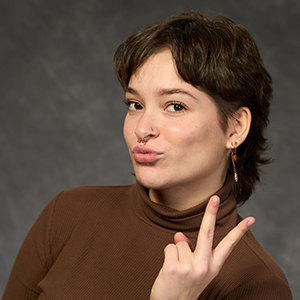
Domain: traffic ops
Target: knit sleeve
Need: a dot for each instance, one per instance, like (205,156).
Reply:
(268,287)
(33,260)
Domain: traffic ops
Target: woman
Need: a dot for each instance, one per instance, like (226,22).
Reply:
(197,93)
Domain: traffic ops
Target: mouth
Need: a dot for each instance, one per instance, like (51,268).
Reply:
(145,155)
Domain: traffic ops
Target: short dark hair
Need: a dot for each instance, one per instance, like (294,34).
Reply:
(220,58)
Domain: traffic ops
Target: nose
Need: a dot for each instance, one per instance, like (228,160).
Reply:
(146,127)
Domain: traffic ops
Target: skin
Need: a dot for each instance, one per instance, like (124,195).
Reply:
(183,163)
(180,122)
(186,273)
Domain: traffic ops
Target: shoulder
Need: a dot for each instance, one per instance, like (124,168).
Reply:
(79,211)
(258,258)
(251,273)
(85,205)
(266,287)
(94,196)
(98,191)
(256,273)
(251,254)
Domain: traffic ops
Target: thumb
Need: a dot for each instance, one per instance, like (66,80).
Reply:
(180,237)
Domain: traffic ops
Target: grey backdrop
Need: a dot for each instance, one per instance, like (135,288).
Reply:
(61,109)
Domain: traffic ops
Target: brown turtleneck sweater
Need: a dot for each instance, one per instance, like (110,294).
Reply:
(108,242)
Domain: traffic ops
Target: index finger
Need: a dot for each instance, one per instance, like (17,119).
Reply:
(207,228)
(227,244)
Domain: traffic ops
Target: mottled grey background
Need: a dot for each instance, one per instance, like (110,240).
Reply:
(61,109)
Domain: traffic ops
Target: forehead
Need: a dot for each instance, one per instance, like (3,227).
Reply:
(159,73)
(158,62)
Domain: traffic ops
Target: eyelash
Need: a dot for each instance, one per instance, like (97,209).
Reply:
(183,107)
(128,103)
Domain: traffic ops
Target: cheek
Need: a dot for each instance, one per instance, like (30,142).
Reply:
(190,135)
(128,130)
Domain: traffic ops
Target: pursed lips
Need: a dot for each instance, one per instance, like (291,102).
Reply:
(145,154)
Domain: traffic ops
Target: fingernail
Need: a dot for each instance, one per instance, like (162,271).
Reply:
(250,222)
(215,201)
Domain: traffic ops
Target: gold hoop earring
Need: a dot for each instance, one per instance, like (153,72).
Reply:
(234,159)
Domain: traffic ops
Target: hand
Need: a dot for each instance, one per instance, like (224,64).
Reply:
(185,274)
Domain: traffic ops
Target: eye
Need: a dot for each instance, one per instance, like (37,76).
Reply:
(176,107)
(133,105)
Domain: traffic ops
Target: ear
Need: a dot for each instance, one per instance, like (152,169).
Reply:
(238,127)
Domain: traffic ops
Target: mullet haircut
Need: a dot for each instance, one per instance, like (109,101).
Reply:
(220,58)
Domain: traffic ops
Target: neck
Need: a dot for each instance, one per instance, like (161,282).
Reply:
(186,196)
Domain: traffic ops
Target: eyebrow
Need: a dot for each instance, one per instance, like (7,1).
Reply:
(131,91)
(164,91)
(173,91)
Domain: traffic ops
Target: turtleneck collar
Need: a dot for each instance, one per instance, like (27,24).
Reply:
(188,220)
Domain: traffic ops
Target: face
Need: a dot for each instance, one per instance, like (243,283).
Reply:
(185,146)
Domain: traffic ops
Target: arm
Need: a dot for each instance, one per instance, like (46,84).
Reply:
(33,260)
(185,274)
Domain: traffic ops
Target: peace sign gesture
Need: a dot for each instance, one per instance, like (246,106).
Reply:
(185,274)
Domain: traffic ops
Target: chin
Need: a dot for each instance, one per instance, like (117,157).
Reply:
(153,183)
(149,181)
(149,184)
(152,176)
